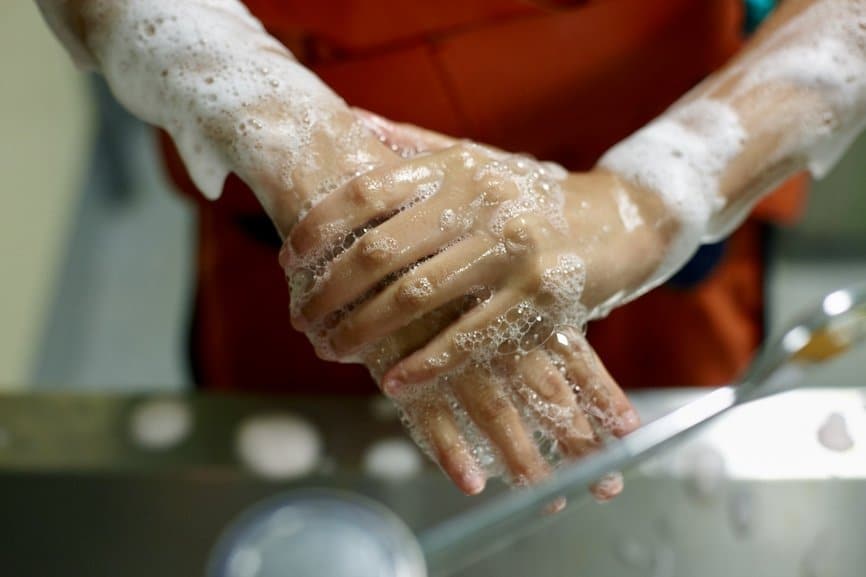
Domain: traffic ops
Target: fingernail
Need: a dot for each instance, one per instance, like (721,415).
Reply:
(607,487)
(555,506)
(391,386)
(473,483)
(287,256)
(300,323)
(630,420)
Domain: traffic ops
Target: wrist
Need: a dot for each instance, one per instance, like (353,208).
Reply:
(339,149)
(681,159)
(634,235)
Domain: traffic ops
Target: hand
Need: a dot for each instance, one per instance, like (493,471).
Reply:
(490,242)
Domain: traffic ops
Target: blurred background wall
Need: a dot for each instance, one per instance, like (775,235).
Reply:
(44,143)
(95,250)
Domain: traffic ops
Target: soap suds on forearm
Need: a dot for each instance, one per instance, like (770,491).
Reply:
(208,73)
(685,154)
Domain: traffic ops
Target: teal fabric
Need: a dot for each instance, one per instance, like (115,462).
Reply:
(756,11)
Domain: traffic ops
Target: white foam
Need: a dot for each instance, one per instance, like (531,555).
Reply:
(628,210)
(208,73)
(681,156)
(824,50)
(684,154)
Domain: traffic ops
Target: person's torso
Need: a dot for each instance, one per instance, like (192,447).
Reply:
(560,80)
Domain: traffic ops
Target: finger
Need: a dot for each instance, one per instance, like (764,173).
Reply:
(434,418)
(565,420)
(447,276)
(405,139)
(607,487)
(403,240)
(555,506)
(549,395)
(365,199)
(451,347)
(486,400)
(600,394)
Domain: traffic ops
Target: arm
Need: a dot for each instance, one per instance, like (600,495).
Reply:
(232,98)
(794,99)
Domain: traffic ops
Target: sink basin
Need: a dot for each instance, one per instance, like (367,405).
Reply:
(776,488)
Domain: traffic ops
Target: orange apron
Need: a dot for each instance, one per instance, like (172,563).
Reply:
(563,83)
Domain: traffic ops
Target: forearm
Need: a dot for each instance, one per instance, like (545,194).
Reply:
(232,97)
(792,100)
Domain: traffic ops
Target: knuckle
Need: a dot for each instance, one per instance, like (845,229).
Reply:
(495,190)
(413,291)
(525,474)
(445,447)
(520,235)
(363,191)
(375,249)
(461,151)
(491,408)
(551,387)
(533,281)
(298,239)
(578,445)
(344,338)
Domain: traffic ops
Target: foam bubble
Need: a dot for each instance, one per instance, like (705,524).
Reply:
(448,220)
(380,248)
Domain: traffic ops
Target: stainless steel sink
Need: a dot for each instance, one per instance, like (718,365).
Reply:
(755,494)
